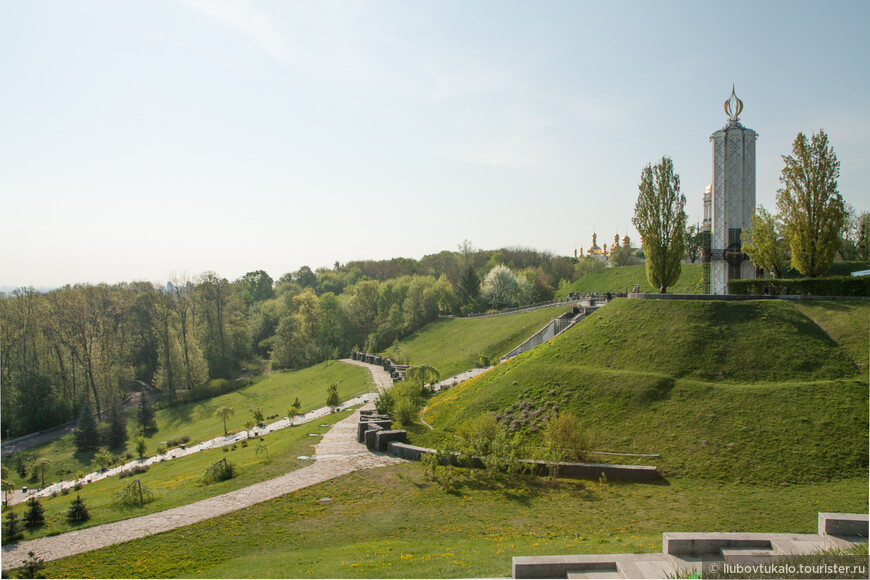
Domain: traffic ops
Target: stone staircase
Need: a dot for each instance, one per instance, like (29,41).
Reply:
(688,552)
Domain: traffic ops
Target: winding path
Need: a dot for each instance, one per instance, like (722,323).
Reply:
(337,454)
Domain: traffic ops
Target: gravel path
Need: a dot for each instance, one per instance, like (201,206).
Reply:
(337,454)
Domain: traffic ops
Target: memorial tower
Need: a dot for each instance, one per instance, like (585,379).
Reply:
(731,202)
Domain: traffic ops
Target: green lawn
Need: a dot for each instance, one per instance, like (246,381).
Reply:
(453,345)
(846,322)
(394,523)
(272,393)
(737,391)
(623,278)
(177,482)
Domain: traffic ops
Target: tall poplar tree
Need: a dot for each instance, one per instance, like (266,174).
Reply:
(809,206)
(660,218)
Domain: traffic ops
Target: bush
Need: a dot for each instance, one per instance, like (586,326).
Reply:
(78,511)
(833,286)
(219,471)
(136,494)
(384,403)
(135,470)
(565,438)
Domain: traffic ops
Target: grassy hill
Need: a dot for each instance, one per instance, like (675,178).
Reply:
(453,345)
(625,277)
(745,391)
(273,394)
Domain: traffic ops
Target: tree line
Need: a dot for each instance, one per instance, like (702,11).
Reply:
(78,347)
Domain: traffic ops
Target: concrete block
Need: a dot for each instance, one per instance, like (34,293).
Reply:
(371,437)
(833,524)
(695,544)
(383,438)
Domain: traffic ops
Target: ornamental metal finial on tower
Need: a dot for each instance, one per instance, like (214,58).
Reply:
(733,106)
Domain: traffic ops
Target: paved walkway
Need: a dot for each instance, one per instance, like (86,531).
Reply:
(337,454)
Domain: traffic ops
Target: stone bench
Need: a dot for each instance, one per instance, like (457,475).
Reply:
(848,525)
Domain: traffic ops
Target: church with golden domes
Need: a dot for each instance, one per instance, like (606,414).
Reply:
(599,253)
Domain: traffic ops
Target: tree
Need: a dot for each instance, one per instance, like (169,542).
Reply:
(39,467)
(8,485)
(693,240)
(564,433)
(809,206)
(78,511)
(423,374)
(104,458)
(258,415)
(11,527)
(225,413)
(256,287)
(117,426)
(141,447)
(295,407)
(499,286)
(332,398)
(87,438)
(145,415)
(660,218)
(34,517)
(763,243)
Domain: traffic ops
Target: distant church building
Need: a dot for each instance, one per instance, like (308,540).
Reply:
(729,202)
(602,254)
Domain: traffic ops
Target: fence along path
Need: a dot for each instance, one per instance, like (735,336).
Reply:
(337,454)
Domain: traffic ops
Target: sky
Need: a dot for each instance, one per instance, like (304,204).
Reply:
(145,138)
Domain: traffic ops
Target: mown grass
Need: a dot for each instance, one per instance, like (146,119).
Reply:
(846,322)
(177,482)
(743,391)
(395,523)
(623,279)
(453,345)
(273,394)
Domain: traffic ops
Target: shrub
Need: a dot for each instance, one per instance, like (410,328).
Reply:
(136,494)
(219,471)
(833,286)
(32,567)
(78,511)
(384,403)
(566,438)
(135,470)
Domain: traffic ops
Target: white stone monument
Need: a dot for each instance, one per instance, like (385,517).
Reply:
(731,202)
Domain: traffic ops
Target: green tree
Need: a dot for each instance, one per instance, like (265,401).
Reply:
(763,243)
(103,457)
(34,516)
(86,436)
(224,413)
(11,527)
(809,206)
(332,398)
(564,434)
(141,447)
(660,218)
(117,426)
(39,467)
(258,415)
(255,287)
(78,511)
(7,485)
(295,407)
(693,239)
(145,415)
(423,374)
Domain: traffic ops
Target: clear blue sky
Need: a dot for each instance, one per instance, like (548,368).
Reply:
(142,138)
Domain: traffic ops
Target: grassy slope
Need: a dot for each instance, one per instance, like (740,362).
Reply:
(724,408)
(272,393)
(453,345)
(393,523)
(177,482)
(848,323)
(625,277)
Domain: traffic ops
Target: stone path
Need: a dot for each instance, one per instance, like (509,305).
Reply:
(337,454)
(19,496)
